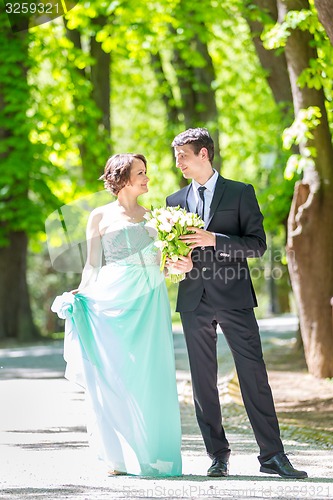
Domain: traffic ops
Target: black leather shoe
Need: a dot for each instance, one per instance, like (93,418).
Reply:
(279,464)
(219,468)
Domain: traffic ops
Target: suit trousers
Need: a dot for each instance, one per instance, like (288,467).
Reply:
(241,331)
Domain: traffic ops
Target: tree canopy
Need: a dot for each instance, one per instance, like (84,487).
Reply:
(128,76)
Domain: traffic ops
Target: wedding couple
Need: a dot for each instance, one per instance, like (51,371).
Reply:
(118,341)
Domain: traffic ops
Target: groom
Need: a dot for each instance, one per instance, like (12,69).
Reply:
(218,290)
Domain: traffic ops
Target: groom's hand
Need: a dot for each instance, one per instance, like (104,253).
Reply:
(183,264)
(199,238)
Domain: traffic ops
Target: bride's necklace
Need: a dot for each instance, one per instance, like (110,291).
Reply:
(135,218)
(130,217)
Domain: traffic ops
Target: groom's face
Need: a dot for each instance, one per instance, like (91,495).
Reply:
(188,162)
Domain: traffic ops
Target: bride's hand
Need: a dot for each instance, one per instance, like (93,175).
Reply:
(183,265)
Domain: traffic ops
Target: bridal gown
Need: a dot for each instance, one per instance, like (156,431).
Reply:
(119,347)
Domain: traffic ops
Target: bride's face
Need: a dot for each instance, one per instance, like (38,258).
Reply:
(138,178)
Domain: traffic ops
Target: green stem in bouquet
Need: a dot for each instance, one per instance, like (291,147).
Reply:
(176,278)
(163,260)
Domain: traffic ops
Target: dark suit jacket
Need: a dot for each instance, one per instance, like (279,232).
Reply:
(223,271)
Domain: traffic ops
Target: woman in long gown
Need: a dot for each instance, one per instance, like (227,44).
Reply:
(118,338)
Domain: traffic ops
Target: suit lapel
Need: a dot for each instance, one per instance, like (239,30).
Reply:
(218,193)
(188,190)
(181,198)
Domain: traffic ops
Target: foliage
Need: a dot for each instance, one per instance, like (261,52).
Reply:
(64,113)
(18,171)
(250,120)
(251,127)
(319,73)
(299,133)
(38,153)
(60,115)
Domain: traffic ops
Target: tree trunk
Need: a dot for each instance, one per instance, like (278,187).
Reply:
(197,92)
(93,129)
(325,14)
(310,223)
(16,164)
(275,65)
(101,95)
(100,78)
(167,96)
(75,37)
(15,312)
(172,110)
(273,62)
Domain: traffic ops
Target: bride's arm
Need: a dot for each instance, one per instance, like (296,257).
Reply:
(94,251)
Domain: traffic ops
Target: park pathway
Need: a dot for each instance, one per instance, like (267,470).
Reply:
(44,452)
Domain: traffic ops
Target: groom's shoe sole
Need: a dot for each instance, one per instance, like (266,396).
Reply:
(270,471)
(224,474)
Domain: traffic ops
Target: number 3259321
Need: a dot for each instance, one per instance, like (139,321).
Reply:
(32,8)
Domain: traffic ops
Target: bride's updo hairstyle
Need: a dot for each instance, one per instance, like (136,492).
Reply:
(117,171)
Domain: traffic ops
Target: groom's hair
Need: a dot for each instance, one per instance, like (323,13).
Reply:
(197,138)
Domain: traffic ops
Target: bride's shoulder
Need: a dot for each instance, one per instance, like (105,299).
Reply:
(98,214)
(102,210)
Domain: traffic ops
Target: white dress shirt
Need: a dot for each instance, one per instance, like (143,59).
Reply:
(193,196)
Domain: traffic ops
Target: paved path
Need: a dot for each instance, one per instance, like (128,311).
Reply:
(44,452)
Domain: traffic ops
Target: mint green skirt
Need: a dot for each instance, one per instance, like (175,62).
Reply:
(119,347)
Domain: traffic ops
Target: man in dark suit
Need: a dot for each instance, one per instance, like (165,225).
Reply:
(218,290)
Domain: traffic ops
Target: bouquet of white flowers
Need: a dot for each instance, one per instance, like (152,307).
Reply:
(170,223)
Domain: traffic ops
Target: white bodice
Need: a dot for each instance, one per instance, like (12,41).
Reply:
(129,243)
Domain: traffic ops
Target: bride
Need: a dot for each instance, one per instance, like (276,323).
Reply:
(118,338)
